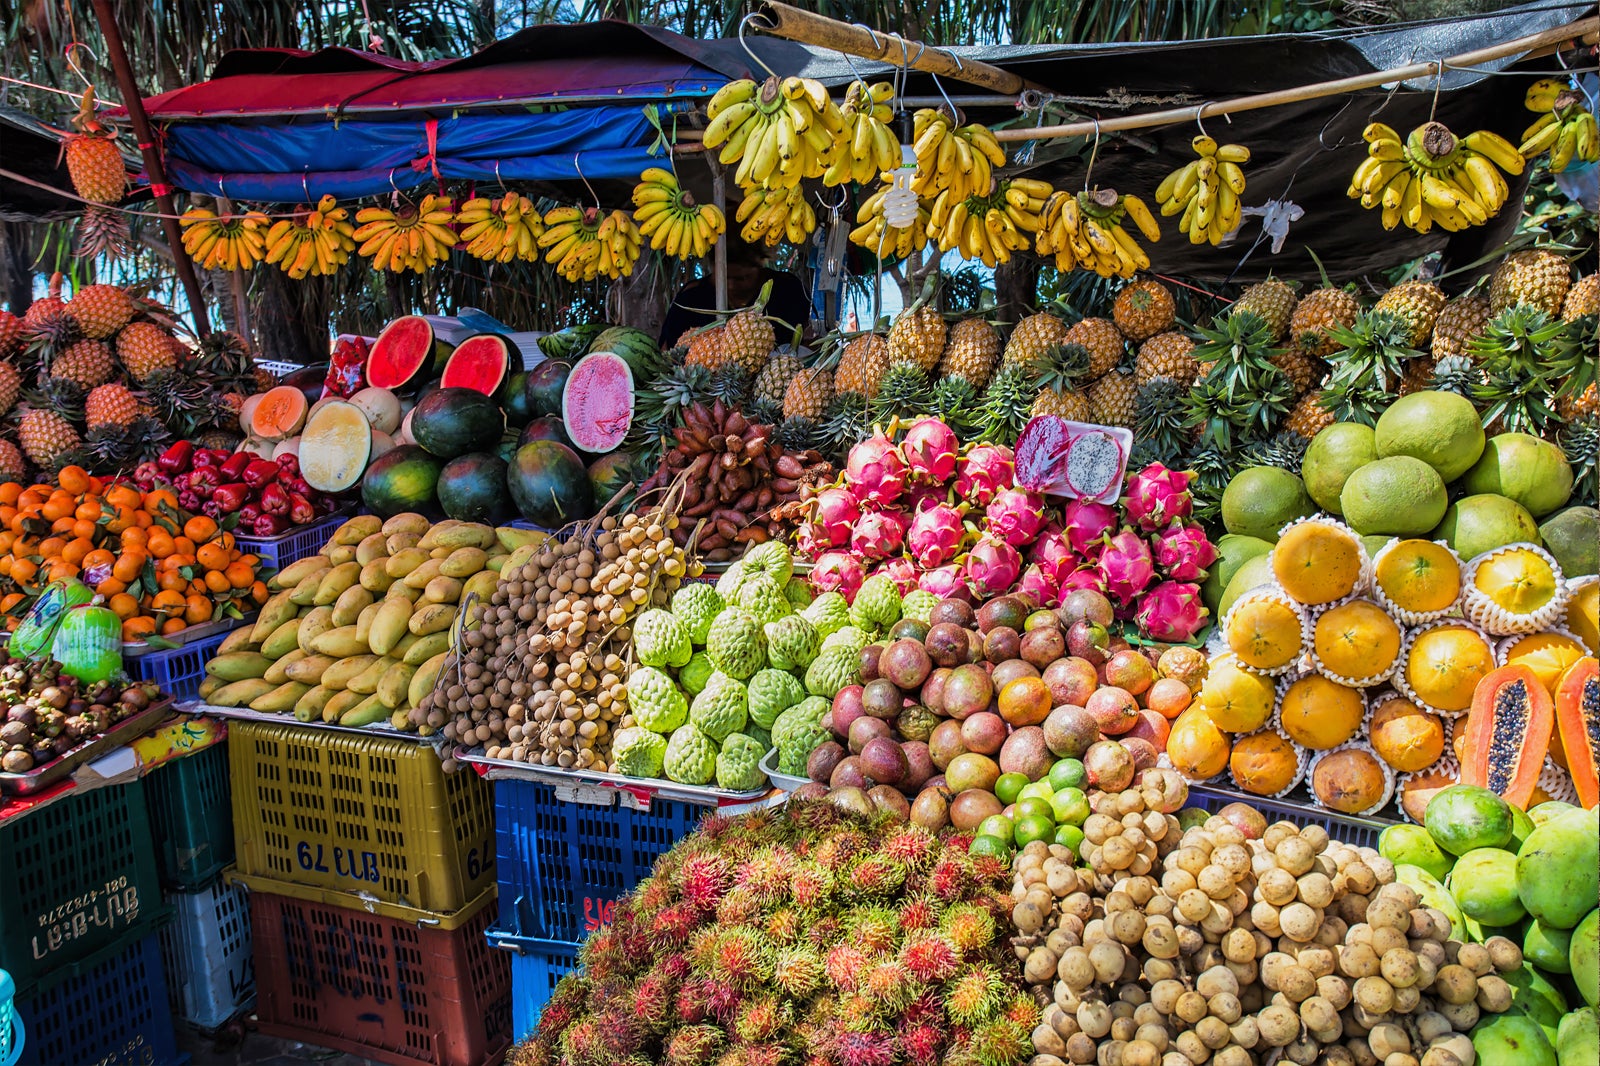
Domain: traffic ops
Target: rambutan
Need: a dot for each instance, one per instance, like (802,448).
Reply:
(565,1005)
(738,907)
(875,930)
(755,1055)
(950,878)
(785,926)
(581,1041)
(969,926)
(691,1045)
(844,965)
(838,850)
(798,972)
(910,846)
(761,1018)
(823,932)
(888,984)
(814,818)
(930,958)
(864,1049)
(858,1014)
(766,874)
(926,1009)
(810,885)
(620,1034)
(741,958)
(723,1001)
(1000,1042)
(988,869)
(972,997)
(672,926)
(694,1000)
(921,1044)
(1022,1010)
(875,877)
(652,1001)
(917,914)
(704,879)
(652,894)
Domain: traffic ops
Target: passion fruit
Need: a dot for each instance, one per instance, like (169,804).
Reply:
(1069,730)
(1071,680)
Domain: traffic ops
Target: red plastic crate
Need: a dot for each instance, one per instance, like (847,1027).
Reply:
(393,991)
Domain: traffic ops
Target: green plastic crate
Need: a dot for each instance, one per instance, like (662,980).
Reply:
(191,818)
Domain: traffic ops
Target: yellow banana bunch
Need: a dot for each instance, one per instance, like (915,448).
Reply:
(989,227)
(865,146)
(583,244)
(1566,129)
(226,242)
(412,238)
(316,240)
(771,215)
(957,158)
(1206,192)
(501,229)
(873,231)
(668,215)
(1433,176)
(1085,231)
(780,132)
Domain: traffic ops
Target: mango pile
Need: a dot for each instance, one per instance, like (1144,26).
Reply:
(357,634)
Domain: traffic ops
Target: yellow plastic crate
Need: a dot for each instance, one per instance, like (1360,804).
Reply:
(376,816)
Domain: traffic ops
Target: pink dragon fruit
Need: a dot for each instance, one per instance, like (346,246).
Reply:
(1172,611)
(876,471)
(1155,496)
(920,495)
(1016,516)
(930,450)
(1127,566)
(810,541)
(900,571)
(836,513)
(838,572)
(991,567)
(984,471)
(878,535)
(936,534)
(1085,577)
(1052,554)
(1086,524)
(1183,552)
(1036,583)
(944,582)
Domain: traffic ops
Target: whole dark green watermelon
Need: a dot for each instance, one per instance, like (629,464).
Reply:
(514,399)
(637,348)
(545,427)
(404,478)
(608,474)
(544,385)
(455,422)
(472,488)
(549,484)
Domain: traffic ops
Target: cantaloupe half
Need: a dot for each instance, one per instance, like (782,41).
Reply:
(279,413)
(335,446)
(247,410)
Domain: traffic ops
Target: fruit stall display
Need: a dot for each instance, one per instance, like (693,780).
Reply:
(268,496)
(50,711)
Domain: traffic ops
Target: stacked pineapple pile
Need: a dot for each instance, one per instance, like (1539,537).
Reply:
(100,381)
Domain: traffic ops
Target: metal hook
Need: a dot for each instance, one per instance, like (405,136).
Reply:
(498,180)
(955,112)
(1199,118)
(1093,153)
(844,198)
(747,49)
(1322,134)
(586,185)
(72,62)
(1438,82)
(304,188)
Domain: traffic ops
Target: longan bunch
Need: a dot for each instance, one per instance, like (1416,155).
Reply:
(1127,830)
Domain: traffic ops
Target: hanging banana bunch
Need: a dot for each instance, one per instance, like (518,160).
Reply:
(991,227)
(957,158)
(780,132)
(771,215)
(1433,176)
(502,229)
(874,233)
(1206,191)
(225,242)
(317,240)
(865,146)
(668,215)
(584,243)
(1085,231)
(410,238)
(1566,129)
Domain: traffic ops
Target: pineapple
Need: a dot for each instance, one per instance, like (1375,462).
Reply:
(12,466)
(1063,403)
(1457,374)
(218,438)
(971,352)
(103,231)
(1311,326)
(1273,302)
(1582,299)
(1417,305)
(1530,277)
(1103,340)
(1527,363)
(10,386)
(1056,375)
(797,435)
(958,405)
(47,439)
(1242,395)
(705,347)
(730,383)
(1034,336)
(748,339)
(1585,404)
(1143,309)
(1461,320)
(775,377)
(1580,440)
(93,162)
(917,337)
(85,364)
(808,394)
(1112,399)
(1419,375)
(1309,417)
(12,333)
(904,392)
(1008,404)
(1286,451)
(145,348)
(111,405)
(861,365)
(1166,355)
(1160,418)
(100,310)
(844,424)
(1302,369)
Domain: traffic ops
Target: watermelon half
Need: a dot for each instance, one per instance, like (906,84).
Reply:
(597,403)
(478,363)
(402,354)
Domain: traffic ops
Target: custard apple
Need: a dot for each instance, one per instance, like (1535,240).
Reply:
(797,732)
(771,692)
(792,643)
(735,643)
(848,637)
(721,708)
(759,735)
(655,701)
(827,613)
(831,671)
(695,605)
(918,604)
(691,757)
(877,604)
(637,752)
(770,557)
(798,592)
(696,672)
(660,639)
(729,583)
(738,764)
(763,598)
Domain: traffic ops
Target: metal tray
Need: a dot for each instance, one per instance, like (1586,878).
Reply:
(787,782)
(42,777)
(702,795)
(188,635)
(245,714)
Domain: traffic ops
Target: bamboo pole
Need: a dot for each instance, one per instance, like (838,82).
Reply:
(1585,28)
(152,164)
(719,257)
(791,23)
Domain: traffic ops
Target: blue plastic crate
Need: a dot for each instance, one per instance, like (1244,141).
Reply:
(278,552)
(537,966)
(1297,808)
(563,865)
(110,1009)
(180,670)
(210,971)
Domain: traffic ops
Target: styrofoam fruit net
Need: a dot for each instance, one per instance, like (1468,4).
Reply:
(1442,774)
(1410,606)
(1321,571)
(1351,754)
(1526,590)
(1467,669)
(1268,744)
(1555,783)
(1412,734)
(1281,609)
(1362,635)
(1582,595)
(1315,702)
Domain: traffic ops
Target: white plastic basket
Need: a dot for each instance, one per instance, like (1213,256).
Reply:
(206,952)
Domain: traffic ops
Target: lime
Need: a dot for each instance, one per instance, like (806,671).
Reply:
(1008,785)
(1066,773)
(991,846)
(1034,827)
(1069,836)
(1070,806)
(1037,790)
(1031,807)
(997,825)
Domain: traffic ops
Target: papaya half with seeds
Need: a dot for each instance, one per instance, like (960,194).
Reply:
(1508,733)
(1577,712)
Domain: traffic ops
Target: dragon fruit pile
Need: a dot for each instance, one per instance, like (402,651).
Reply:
(953,522)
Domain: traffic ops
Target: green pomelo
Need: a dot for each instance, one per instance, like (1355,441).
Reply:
(1433,894)
(1524,468)
(1573,537)
(1440,428)
(1547,948)
(1578,1038)
(1411,844)
(1521,827)
(1584,958)
(1463,818)
(1400,495)
(1256,571)
(1261,500)
(1375,543)
(1476,524)
(1558,869)
(1549,811)
(1484,882)
(1337,452)
(1233,551)
(1511,1040)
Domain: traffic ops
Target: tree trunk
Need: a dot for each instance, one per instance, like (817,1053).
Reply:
(16,269)
(640,299)
(292,318)
(1016,286)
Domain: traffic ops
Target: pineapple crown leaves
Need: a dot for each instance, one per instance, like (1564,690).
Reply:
(903,392)
(1284,450)
(730,383)
(1457,374)
(844,422)
(1237,338)
(1580,440)
(1372,352)
(1007,405)
(956,403)
(1060,367)
(1161,418)
(1528,358)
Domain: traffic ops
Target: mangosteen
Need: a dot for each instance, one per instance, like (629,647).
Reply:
(17,735)
(16,761)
